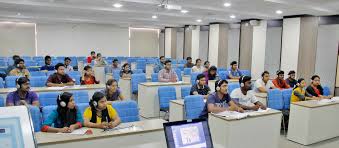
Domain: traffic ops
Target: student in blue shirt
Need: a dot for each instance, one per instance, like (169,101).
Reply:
(161,65)
(233,71)
(66,118)
(48,64)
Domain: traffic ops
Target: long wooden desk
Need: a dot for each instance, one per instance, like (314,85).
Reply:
(311,122)
(149,133)
(148,99)
(256,131)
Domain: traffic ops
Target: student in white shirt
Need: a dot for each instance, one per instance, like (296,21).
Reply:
(198,67)
(245,96)
(68,66)
(264,84)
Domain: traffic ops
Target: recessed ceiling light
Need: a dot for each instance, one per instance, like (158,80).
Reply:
(278,12)
(232,16)
(154,17)
(184,11)
(117,5)
(199,20)
(227,4)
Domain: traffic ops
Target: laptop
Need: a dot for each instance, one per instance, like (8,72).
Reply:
(188,134)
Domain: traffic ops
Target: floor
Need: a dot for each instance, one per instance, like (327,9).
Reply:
(331,143)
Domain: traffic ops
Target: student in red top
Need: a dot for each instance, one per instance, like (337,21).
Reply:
(316,90)
(91,57)
(279,82)
(88,76)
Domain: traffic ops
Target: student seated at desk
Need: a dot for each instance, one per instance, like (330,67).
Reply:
(112,91)
(315,89)
(299,93)
(20,69)
(220,100)
(99,61)
(279,82)
(245,96)
(291,81)
(115,65)
(60,78)
(167,74)
(206,66)
(11,67)
(23,95)
(88,77)
(264,84)
(66,117)
(68,66)
(189,63)
(198,67)
(200,88)
(91,57)
(233,71)
(160,65)
(126,72)
(48,64)
(100,114)
(211,74)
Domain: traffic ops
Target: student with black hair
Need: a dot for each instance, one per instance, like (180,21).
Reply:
(279,82)
(200,88)
(68,66)
(126,71)
(211,74)
(59,78)
(91,57)
(291,81)
(263,84)
(245,96)
(167,74)
(22,95)
(315,89)
(20,69)
(112,91)
(220,100)
(299,93)
(233,71)
(11,67)
(189,63)
(65,118)
(206,66)
(99,61)
(115,65)
(160,65)
(198,67)
(88,76)
(100,114)
(48,64)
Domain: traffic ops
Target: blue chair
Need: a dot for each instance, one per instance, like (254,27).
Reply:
(135,80)
(194,77)
(223,75)
(136,71)
(182,61)
(50,73)
(3,63)
(275,99)
(46,110)
(326,91)
(82,107)
(48,98)
(178,72)
(141,64)
(154,77)
(2,102)
(11,81)
(38,73)
(74,73)
(194,105)
(30,63)
(246,72)
(2,85)
(232,86)
(181,67)
(185,91)
(33,69)
(128,110)
(41,63)
(166,94)
(36,118)
(38,58)
(81,96)
(38,81)
(76,78)
(187,71)
(116,74)
(286,94)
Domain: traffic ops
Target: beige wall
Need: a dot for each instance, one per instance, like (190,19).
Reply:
(144,42)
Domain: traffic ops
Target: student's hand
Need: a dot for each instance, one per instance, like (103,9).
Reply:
(71,128)
(23,102)
(263,107)
(232,108)
(64,130)
(104,125)
(240,110)
(255,107)
(110,125)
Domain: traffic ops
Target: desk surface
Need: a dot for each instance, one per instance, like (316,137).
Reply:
(313,104)
(53,138)
(164,83)
(47,89)
(253,115)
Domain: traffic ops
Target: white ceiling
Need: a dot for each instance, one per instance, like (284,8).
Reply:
(138,13)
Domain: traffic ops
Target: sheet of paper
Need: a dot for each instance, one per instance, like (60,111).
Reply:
(81,131)
(335,99)
(325,101)
(232,114)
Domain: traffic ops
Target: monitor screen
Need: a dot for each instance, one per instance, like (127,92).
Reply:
(188,134)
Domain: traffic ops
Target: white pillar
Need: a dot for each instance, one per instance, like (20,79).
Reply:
(170,42)
(218,45)
(195,43)
(258,49)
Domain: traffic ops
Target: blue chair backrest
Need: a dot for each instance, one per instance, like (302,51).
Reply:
(187,71)
(194,105)
(178,72)
(38,81)
(39,58)
(246,72)
(137,71)
(33,69)
(76,77)
(82,107)
(232,86)
(141,64)
(2,102)
(50,73)
(185,91)
(221,69)
(30,63)
(166,94)
(116,74)
(38,73)
(11,81)
(182,61)
(36,118)
(326,91)
(81,96)
(194,77)
(135,80)
(48,98)
(286,93)
(127,110)
(223,75)
(154,77)
(275,99)
(3,63)
(46,110)
(2,85)
(181,67)
(74,73)
(41,63)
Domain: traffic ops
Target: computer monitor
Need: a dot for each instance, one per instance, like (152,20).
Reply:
(188,134)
